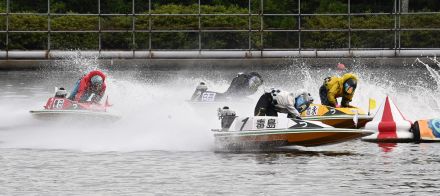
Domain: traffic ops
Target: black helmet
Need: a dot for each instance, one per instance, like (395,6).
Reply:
(350,86)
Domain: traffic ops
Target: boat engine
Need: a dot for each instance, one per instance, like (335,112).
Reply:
(227,116)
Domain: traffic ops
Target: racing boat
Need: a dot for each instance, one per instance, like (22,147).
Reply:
(257,133)
(202,95)
(337,117)
(206,101)
(59,107)
(427,130)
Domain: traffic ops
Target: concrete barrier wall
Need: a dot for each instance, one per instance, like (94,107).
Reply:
(261,63)
(55,54)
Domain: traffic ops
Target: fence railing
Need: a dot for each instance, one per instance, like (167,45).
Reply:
(255,39)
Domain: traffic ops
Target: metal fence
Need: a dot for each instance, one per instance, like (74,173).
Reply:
(250,51)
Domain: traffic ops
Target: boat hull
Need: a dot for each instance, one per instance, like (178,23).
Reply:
(426,130)
(272,139)
(341,121)
(73,114)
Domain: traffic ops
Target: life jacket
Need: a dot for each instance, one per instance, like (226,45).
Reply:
(335,87)
(85,84)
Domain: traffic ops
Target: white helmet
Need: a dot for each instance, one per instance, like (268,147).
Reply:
(61,92)
(202,87)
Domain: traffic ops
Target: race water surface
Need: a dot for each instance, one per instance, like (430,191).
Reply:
(162,144)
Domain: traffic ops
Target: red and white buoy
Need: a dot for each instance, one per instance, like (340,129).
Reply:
(390,125)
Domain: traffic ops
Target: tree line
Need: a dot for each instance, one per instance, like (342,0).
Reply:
(384,37)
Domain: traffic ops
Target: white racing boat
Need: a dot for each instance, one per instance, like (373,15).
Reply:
(267,132)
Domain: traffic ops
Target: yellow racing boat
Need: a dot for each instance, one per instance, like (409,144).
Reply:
(337,117)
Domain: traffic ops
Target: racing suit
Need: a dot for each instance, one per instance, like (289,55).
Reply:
(333,88)
(83,90)
(242,85)
(270,103)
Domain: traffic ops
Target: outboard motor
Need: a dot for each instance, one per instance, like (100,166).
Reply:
(61,93)
(200,89)
(226,116)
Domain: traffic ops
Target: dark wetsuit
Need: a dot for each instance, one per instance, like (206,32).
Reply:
(240,86)
(265,106)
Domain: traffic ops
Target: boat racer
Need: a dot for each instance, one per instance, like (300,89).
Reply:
(270,103)
(335,87)
(90,86)
(244,84)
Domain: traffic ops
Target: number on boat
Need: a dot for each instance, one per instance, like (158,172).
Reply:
(58,103)
(312,111)
(244,122)
(208,96)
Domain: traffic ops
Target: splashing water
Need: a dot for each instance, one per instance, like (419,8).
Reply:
(156,115)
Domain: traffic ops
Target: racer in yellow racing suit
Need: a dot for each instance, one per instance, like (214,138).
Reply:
(335,87)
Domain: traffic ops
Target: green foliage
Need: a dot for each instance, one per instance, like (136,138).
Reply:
(68,41)
(60,23)
(420,39)
(325,22)
(420,21)
(332,6)
(225,40)
(332,38)
(27,22)
(372,22)
(2,22)
(27,41)
(77,6)
(279,40)
(324,39)
(116,6)
(116,23)
(2,5)
(117,41)
(372,39)
(178,40)
(173,22)
(39,6)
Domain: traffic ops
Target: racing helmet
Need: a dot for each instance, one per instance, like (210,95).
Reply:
(255,74)
(96,81)
(202,87)
(61,93)
(350,86)
(255,80)
(303,101)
